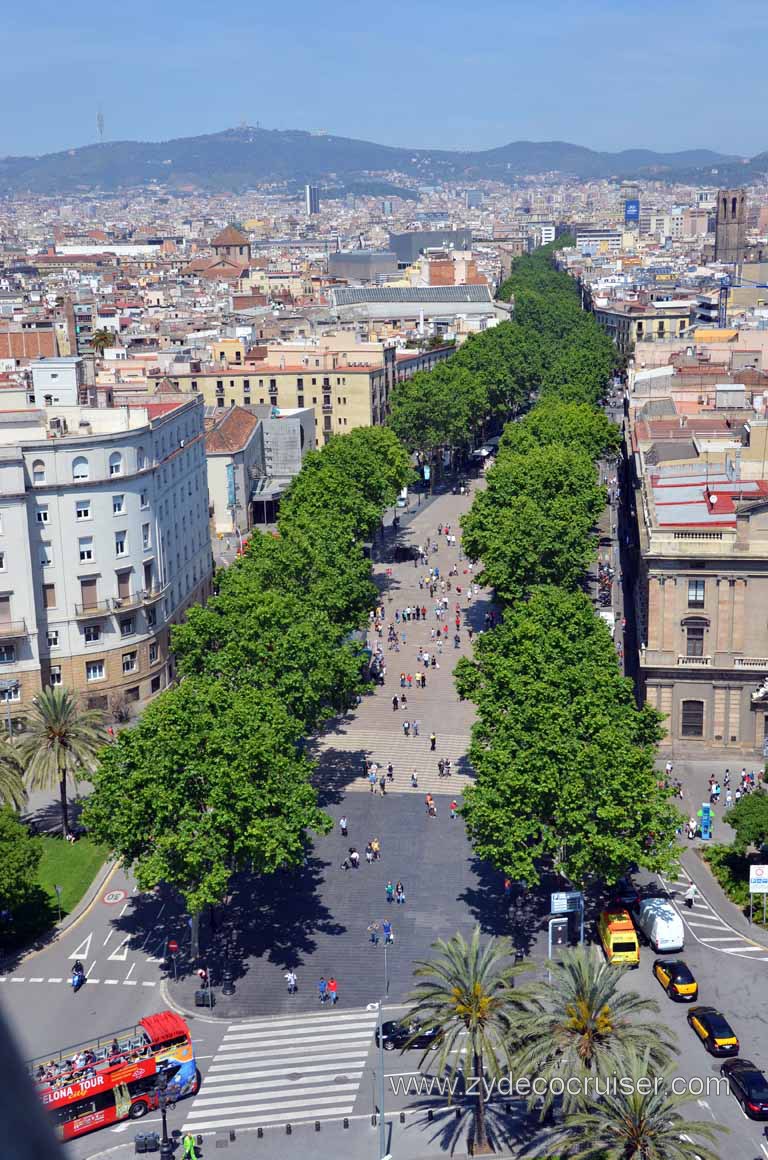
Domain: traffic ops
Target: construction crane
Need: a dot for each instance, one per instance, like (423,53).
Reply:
(726,282)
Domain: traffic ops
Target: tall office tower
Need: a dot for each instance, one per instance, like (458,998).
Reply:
(730,227)
(630,198)
(312,199)
(473,198)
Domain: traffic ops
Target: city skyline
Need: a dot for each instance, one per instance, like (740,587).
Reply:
(513,69)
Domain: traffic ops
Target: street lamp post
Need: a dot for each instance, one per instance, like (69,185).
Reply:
(163,1100)
(383,1154)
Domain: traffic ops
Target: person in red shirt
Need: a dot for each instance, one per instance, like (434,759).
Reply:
(333,991)
(454,806)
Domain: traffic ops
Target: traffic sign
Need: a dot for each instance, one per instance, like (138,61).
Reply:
(565,900)
(758,880)
(173,946)
(112,897)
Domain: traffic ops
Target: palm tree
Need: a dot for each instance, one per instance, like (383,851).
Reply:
(583,1025)
(61,739)
(468,989)
(101,339)
(12,790)
(623,1123)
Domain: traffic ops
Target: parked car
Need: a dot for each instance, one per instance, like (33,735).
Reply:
(660,924)
(714,1031)
(397,1034)
(677,980)
(748,1085)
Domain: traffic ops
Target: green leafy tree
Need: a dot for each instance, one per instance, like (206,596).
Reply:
(61,742)
(564,758)
(19,858)
(101,339)
(583,1024)
(210,781)
(12,789)
(638,1119)
(441,408)
(749,819)
(577,426)
(466,991)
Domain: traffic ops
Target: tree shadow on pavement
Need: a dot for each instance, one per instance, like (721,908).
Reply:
(507,1125)
(337,769)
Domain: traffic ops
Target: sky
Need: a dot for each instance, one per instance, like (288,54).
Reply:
(609,74)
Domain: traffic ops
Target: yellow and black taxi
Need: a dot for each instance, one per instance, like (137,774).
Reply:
(714,1031)
(676,979)
(748,1084)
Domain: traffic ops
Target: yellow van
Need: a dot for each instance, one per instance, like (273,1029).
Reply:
(619,938)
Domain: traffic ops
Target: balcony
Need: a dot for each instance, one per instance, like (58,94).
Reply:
(95,609)
(130,600)
(750,663)
(12,629)
(695,662)
(152,595)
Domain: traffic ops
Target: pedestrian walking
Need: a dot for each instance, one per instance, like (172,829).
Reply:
(390,772)
(386,930)
(343,826)
(383,784)
(376,847)
(395,703)
(354,857)
(402,680)
(406,728)
(410,681)
(390,892)
(415,727)
(404,701)
(373,933)
(432,742)
(453,807)
(414,780)
(292,981)
(728,800)
(190,1151)
(369,853)
(333,991)
(399,893)
(322,989)
(690,896)
(441,767)
(372,780)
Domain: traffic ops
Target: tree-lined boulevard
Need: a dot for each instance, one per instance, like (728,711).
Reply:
(224,802)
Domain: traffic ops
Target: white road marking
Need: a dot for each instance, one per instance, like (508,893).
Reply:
(109,936)
(37,979)
(84,949)
(16,979)
(55,980)
(111,982)
(130,972)
(93,964)
(120,953)
(122,912)
(152,984)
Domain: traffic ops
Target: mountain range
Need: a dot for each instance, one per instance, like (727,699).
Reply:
(237,159)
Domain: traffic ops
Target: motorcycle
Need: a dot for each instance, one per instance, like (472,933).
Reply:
(78,977)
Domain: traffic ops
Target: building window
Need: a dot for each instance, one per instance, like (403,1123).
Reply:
(273,384)
(7,654)
(49,595)
(13,694)
(692,719)
(299,400)
(146,536)
(151,617)
(52,637)
(118,505)
(141,459)
(38,472)
(82,510)
(42,514)
(695,593)
(55,677)
(127,626)
(300,384)
(246,400)
(94,670)
(155,684)
(220,402)
(121,543)
(80,468)
(92,633)
(273,400)
(85,545)
(115,463)
(246,383)
(694,640)
(2,562)
(143,500)
(153,652)
(129,662)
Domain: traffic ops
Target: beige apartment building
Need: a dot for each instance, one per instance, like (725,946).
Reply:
(701,600)
(630,322)
(347,384)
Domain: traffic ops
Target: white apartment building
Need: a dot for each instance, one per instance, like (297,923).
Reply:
(104,543)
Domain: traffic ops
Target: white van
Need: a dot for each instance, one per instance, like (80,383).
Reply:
(662,926)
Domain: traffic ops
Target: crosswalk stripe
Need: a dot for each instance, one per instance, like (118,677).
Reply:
(313,1090)
(299,1041)
(271,1083)
(328,1026)
(344,1064)
(284,1051)
(246,1060)
(748,950)
(302,1021)
(254,1121)
(276,1105)
(725,938)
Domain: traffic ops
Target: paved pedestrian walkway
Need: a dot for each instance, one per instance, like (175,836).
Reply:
(375,731)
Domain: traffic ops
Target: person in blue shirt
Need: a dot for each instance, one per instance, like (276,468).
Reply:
(322,988)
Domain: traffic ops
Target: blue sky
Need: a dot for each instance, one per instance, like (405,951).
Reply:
(663,74)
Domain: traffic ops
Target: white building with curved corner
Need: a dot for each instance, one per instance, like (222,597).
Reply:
(104,543)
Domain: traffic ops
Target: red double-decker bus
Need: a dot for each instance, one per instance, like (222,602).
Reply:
(92,1084)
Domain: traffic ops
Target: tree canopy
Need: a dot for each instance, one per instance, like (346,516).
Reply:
(19,858)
